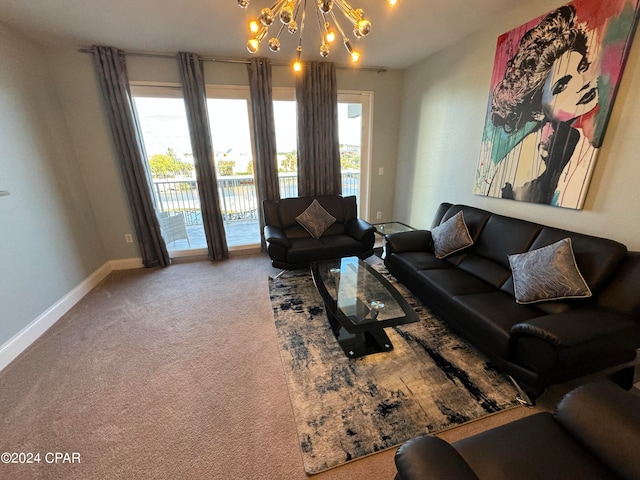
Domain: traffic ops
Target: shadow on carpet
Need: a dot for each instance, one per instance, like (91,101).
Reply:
(346,409)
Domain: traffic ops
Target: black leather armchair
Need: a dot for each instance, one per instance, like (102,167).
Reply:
(291,247)
(594,433)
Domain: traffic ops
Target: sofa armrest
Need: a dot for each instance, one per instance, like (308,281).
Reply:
(358,228)
(431,457)
(276,236)
(579,326)
(412,241)
(606,420)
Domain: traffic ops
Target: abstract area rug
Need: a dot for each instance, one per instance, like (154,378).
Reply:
(349,408)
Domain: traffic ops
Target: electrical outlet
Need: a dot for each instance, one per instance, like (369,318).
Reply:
(128,238)
(379,215)
(381,171)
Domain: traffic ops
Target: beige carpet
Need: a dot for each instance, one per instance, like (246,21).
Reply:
(168,373)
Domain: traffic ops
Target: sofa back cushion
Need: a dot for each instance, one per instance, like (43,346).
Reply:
(474,218)
(495,238)
(597,258)
(621,293)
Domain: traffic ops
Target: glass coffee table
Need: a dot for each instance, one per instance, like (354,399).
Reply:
(360,304)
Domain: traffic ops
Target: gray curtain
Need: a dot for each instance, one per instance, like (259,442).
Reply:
(195,100)
(318,145)
(264,133)
(127,137)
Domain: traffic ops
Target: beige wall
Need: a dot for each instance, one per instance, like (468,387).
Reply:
(445,100)
(49,242)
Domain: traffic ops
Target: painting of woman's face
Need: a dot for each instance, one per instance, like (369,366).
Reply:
(570,89)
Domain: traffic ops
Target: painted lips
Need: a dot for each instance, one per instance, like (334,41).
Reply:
(588,97)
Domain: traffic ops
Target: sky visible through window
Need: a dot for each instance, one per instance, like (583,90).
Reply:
(164,125)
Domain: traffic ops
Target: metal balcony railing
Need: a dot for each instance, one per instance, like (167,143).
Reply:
(237,196)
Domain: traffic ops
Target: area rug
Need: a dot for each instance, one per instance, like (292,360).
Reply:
(346,408)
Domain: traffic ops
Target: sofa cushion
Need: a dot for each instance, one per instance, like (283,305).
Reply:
(487,319)
(304,250)
(451,236)
(495,244)
(547,273)
(315,219)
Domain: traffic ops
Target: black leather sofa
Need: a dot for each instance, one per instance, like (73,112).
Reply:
(290,246)
(593,433)
(536,344)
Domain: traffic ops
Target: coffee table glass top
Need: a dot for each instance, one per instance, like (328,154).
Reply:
(358,296)
(392,227)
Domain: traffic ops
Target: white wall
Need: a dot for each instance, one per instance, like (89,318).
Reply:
(49,242)
(445,100)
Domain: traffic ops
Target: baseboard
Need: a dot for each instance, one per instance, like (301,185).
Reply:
(126,264)
(17,344)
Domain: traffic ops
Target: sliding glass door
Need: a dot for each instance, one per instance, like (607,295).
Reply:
(165,131)
(354,122)
(231,134)
(166,135)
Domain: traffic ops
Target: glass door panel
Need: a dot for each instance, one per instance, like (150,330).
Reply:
(284,112)
(350,134)
(163,121)
(231,138)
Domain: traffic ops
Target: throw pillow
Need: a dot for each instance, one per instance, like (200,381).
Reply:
(315,219)
(547,273)
(451,236)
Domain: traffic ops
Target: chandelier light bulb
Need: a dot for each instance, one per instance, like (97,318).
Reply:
(362,28)
(324,50)
(253,26)
(286,15)
(292,27)
(355,56)
(252,45)
(325,6)
(393,3)
(243,3)
(274,44)
(266,17)
(297,65)
(330,35)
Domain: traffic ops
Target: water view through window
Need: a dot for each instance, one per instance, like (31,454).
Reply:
(166,136)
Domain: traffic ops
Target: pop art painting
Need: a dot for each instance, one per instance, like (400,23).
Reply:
(553,86)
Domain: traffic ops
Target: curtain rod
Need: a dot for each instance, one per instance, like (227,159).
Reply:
(223,60)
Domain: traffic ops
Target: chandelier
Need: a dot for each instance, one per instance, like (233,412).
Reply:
(292,16)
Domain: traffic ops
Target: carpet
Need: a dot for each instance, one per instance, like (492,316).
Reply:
(346,409)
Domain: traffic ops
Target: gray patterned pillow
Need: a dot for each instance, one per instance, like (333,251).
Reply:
(315,219)
(548,273)
(451,236)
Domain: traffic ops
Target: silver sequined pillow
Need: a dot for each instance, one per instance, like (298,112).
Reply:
(315,219)
(548,273)
(451,236)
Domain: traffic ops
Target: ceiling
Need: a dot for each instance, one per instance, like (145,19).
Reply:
(400,36)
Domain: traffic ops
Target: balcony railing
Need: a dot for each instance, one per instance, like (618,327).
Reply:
(237,196)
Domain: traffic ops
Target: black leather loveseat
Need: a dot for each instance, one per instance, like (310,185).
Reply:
(540,343)
(291,246)
(593,433)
